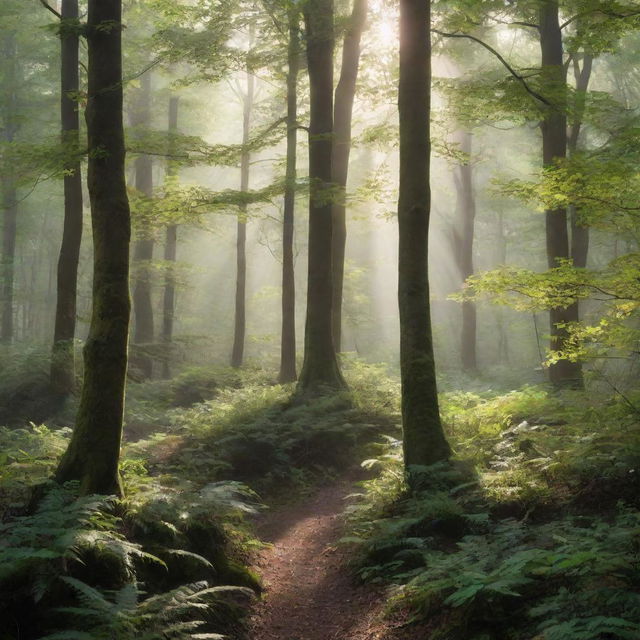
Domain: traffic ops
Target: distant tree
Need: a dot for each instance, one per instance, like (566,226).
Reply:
(93,453)
(320,367)
(423,437)
(10,126)
(288,339)
(343,113)
(240,320)
(62,356)
(170,250)
(143,327)
(463,244)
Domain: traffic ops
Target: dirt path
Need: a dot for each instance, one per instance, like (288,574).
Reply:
(310,591)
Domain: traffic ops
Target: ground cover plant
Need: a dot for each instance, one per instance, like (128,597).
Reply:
(216,215)
(530,532)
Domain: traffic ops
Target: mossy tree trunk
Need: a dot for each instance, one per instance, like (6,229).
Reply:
(343,115)
(63,378)
(288,371)
(320,366)
(143,328)
(554,149)
(170,253)
(93,453)
(424,440)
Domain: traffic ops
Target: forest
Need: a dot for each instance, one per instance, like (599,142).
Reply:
(320,319)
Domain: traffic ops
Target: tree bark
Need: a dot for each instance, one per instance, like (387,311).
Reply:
(93,453)
(343,112)
(63,377)
(320,366)
(424,440)
(143,331)
(170,253)
(466,206)
(9,191)
(288,371)
(554,148)
(240,324)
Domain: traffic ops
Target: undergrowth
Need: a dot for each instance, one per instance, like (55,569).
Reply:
(532,531)
(169,561)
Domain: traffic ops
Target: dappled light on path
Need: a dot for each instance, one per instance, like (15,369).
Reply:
(311,593)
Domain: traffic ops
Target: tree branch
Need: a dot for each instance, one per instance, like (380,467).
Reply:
(48,7)
(509,68)
(610,14)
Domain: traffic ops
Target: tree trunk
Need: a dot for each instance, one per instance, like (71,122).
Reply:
(93,453)
(320,366)
(554,149)
(579,232)
(9,191)
(288,371)
(63,376)
(343,111)
(240,325)
(143,331)
(424,440)
(466,206)
(170,253)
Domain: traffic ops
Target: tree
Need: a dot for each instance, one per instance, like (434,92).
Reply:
(466,206)
(143,331)
(93,452)
(170,251)
(424,441)
(320,366)
(343,111)
(554,150)
(62,357)
(288,338)
(8,183)
(240,324)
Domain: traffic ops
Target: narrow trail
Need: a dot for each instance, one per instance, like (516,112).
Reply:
(310,590)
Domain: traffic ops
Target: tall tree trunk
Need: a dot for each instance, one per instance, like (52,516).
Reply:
(466,206)
(320,366)
(288,339)
(9,190)
(143,330)
(240,324)
(579,232)
(342,117)
(170,253)
(62,356)
(554,149)
(424,440)
(93,453)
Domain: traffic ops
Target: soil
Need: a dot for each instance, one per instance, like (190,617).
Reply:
(310,590)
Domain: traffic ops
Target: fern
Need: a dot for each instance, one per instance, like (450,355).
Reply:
(179,614)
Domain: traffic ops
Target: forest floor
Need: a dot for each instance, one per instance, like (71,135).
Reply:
(311,592)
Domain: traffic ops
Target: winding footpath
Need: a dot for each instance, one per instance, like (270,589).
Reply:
(310,592)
